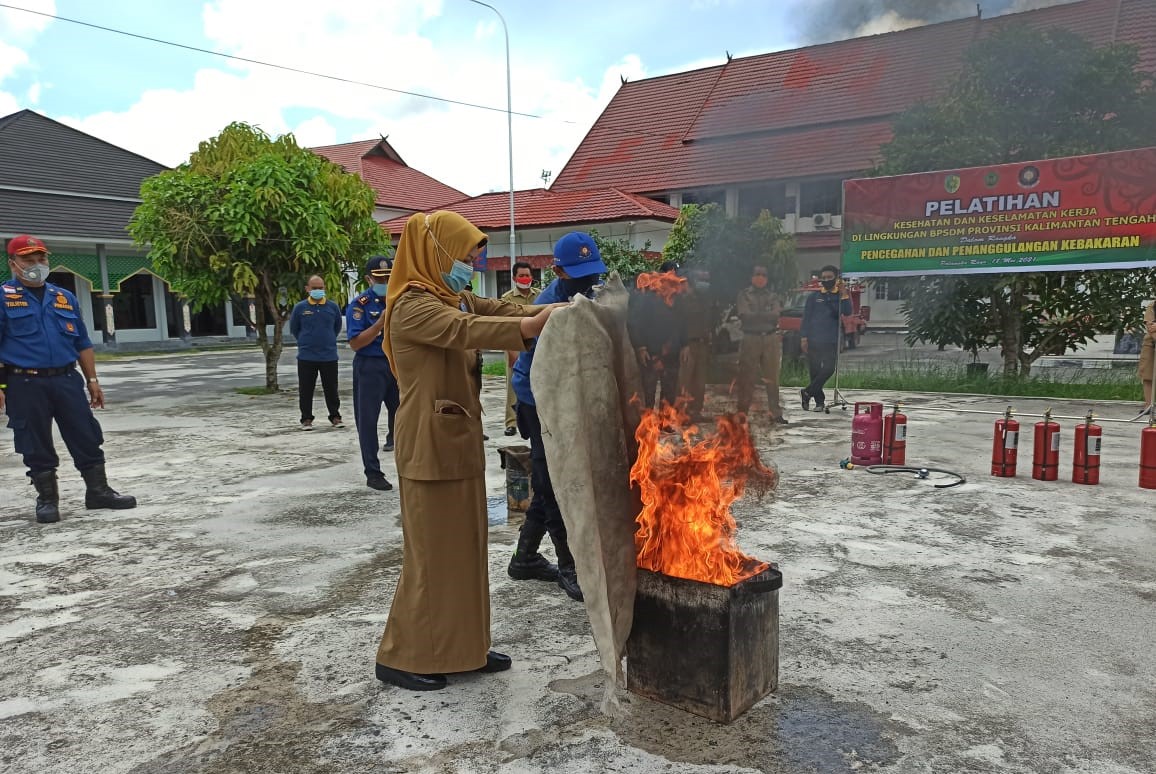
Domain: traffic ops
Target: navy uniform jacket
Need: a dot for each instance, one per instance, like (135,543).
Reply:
(38,333)
(364,310)
(520,375)
(821,315)
(315,325)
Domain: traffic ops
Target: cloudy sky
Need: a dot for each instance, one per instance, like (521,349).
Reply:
(567,60)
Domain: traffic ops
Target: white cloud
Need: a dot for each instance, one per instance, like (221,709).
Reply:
(887,22)
(33,94)
(386,43)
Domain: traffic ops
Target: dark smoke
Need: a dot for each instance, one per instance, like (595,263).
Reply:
(825,20)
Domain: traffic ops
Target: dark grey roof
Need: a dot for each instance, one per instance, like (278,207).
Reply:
(37,152)
(47,215)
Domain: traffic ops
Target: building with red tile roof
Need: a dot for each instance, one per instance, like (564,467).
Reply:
(400,188)
(542,216)
(780,131)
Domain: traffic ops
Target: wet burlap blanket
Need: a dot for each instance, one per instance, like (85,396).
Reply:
(584,375)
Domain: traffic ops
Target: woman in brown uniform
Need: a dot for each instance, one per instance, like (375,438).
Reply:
(440,618)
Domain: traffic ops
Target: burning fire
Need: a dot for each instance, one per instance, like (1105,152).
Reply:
(685,529)
(666,285)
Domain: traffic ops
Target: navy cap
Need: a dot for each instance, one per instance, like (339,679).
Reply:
(379,264)
(578,255)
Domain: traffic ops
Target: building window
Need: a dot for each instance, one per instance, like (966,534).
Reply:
(132,305)
(821,196)
(706,196)
(890,291)
(753,199)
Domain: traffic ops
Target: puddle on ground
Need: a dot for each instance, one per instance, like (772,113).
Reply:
(497,511)
(796,729)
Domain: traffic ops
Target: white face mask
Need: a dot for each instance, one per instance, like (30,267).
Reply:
(34,274)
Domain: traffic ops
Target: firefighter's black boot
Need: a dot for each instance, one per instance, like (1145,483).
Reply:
(527,563)
(100,495)
(567,573)
(47,497)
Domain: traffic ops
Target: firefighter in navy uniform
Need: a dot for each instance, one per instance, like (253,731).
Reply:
(373,382)
(42,338)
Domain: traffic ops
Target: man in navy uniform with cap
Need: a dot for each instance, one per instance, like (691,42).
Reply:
(373,381)
(578,265)
(42,339)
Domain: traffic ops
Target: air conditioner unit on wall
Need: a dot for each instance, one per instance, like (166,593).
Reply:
(821,219)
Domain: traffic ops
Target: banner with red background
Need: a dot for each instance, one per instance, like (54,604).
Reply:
(1080,212)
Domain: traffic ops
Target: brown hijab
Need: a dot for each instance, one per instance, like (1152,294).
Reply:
(428,248)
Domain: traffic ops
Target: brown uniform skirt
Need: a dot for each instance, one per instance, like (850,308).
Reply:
(440,618)
(1146,357)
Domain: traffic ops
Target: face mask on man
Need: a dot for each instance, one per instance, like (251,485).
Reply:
(759,280)
(579,286)
(34,274)
(524,283)
(828,284)
(458,276)
(380,288)
(317,294)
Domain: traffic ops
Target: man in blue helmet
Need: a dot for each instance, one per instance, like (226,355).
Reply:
(373,381)
(578,265)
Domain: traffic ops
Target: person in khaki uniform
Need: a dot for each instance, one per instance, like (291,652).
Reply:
(1148,352)
(523,293)
(761,350)
(439,621)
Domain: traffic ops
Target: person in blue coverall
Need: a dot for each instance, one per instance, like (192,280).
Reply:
(578,265)
(315,323)
(820,332)
(42,339)
(373,382)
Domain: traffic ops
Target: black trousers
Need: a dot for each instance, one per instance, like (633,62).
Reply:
(653,377)
(543,516)
(374,386)
(34,402)
(821,360)
(307,372)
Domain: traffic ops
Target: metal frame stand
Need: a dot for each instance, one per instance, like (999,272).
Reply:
(836,396)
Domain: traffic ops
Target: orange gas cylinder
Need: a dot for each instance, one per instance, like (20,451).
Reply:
(1005,446)
(894,437)
(1086,453)
(1046,449)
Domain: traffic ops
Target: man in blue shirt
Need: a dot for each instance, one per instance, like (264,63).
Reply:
(373,381)
(42,338)
(315,323)
(578,265)
(820,332)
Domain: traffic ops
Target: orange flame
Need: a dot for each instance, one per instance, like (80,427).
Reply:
(665,284)
(685,529)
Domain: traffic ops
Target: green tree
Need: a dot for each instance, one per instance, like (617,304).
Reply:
(621,256)
(1025,94)
(252,215)
(704,236)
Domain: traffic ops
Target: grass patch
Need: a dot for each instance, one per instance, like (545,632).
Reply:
(262,390)
(948,377)
(497,368)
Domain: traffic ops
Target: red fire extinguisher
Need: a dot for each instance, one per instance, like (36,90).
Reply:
(1148,454)
(1005,446)
(867,434)
(1046,451)
(894,437)
(1086,454)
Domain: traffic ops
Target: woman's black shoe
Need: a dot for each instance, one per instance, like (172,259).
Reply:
(496,662)
(411,681)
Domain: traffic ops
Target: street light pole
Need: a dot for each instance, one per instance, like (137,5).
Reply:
(509,125)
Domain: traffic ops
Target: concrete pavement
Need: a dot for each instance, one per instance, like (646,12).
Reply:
(229,623)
